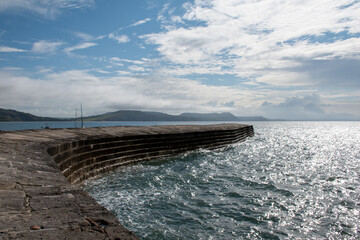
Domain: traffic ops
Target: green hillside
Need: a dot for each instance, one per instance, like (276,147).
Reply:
(131,115)
(8,115)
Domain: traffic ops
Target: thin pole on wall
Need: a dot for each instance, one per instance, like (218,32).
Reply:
(76,118)
(82,119)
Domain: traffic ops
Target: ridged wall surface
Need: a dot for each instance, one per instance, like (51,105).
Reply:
(86,158)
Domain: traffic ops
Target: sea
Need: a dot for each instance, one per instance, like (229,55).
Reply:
(291,180)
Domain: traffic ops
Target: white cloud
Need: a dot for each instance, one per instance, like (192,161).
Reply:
(120,39)
(44,46)
(84,36)
(140,22)
(135,68)
(253,38)
(118,60)
(11,49)
(59,93)
(124,38)
(120,73)
(15,69)
(48,9)
(283,78)
(308,107)
(56,92)
(79,46)
(161,16)
(87,37)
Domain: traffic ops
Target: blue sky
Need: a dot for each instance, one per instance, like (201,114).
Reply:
(274,58)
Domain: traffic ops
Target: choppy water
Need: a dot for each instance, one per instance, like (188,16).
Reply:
(292,180)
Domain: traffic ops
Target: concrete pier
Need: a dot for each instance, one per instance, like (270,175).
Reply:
(40,170)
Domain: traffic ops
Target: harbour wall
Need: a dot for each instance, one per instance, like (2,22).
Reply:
(41,169)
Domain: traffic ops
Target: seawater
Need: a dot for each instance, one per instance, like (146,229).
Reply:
(292,180)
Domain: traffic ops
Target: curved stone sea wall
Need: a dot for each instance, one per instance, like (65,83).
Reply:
(40,169)
(85,158)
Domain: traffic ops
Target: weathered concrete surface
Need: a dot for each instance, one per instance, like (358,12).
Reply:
(37,201)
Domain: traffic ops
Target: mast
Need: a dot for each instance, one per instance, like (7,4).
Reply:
(76,118)
(82,120)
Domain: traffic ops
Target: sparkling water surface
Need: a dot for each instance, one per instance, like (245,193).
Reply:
(292,180)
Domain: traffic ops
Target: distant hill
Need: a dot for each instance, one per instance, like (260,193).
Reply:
(132,115)
(8,115)
(210,116)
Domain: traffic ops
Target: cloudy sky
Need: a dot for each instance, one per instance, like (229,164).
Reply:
(288,59)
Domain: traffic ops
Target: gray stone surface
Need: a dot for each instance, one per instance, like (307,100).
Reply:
(38,202)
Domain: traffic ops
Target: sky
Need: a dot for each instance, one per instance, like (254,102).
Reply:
(281,59)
